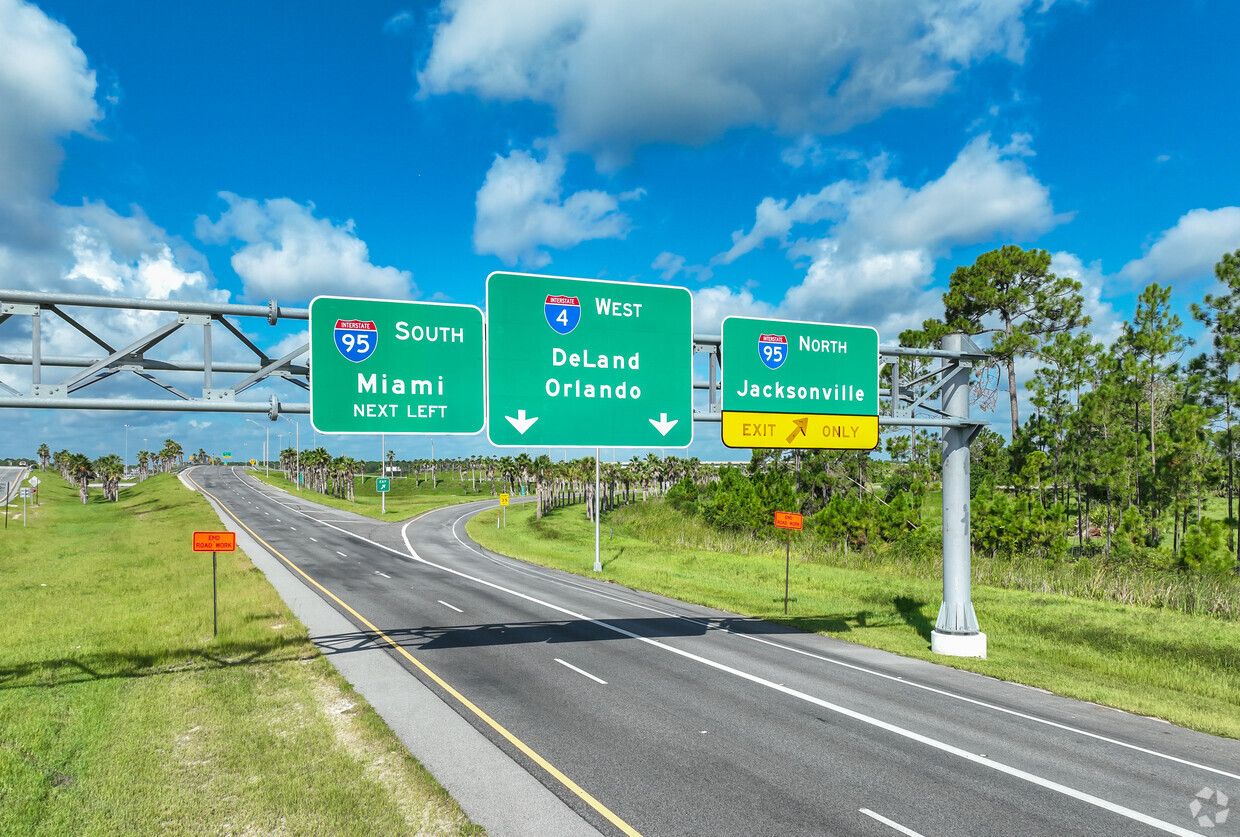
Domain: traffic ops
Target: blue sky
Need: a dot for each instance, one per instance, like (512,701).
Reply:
(818,160)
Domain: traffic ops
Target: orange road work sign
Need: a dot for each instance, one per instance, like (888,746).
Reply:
(788,520)
(215,541)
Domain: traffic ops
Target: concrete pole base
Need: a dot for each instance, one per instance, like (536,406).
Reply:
(958,645)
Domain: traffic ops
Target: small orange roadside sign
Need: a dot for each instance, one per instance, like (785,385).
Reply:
(215,541)
(788,520)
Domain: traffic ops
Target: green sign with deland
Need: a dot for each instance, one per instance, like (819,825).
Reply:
(386,366)
(587,363)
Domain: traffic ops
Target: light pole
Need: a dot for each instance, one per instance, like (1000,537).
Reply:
(125,464)
(267,442)
(297,442)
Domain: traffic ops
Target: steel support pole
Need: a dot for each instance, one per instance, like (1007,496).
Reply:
(956,631)
(36,351)
(206,356)
(598,565)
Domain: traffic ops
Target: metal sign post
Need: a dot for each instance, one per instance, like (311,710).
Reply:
(215,542)
(788,521)
(383,485)
(598,565)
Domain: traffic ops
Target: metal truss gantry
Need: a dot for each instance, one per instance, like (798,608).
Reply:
(956,629)
(137,357)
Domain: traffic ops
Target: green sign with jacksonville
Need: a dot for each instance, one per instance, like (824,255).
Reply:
(385,366)
(789,384)
(586,363)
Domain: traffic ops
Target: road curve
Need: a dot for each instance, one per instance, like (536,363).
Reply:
(643,715)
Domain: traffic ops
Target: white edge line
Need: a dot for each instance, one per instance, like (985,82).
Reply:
(580,671)
(849,713)
(942,746)
(385,575)
(900,828)
(450,607)
(854,667)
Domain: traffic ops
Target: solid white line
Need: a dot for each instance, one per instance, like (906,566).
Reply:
(512,564)
(316,540)
(582,672)
(900,828)
(450,607)
(939,745)
(942,746)
(341,554)
(385,575)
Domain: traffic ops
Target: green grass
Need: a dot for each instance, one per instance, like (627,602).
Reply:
(1182,667)
(408,497)
(121,714)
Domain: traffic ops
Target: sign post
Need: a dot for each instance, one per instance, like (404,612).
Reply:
(789,521)
(214,542)
(793,384)
(383,485)
(586,363)
(34,482)
(503,509)
(25,492)
(385,366)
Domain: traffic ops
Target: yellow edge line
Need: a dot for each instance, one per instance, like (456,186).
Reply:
(466,702)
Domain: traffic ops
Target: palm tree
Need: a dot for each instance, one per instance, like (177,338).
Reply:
(171,454)
(144,464)
(110,470)
(81,469)
(45,454)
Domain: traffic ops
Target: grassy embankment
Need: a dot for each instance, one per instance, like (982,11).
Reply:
(1182,667)
(408,497)
(120,714)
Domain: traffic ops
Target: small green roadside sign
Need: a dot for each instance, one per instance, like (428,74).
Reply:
(586,363)
(228,454)
(789,384)
(386,366)
(383,484)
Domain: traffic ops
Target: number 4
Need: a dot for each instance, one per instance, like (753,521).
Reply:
(562,317)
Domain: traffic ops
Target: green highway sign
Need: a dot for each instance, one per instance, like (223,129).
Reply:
(383,484)
(586,363)
(384,366)
(228,454)
(790,384)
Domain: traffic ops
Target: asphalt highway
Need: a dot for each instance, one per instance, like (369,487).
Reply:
(648,716)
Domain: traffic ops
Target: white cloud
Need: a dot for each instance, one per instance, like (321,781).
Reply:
(711,305)
(47,92)
(987,189)
(399,23)
(694,69)
(1106,325)
(1190,249)
(875,261)
(521,209)
(288,254)
(130,256)
(671,265)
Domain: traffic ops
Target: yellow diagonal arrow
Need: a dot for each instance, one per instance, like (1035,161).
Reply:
(801,425)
